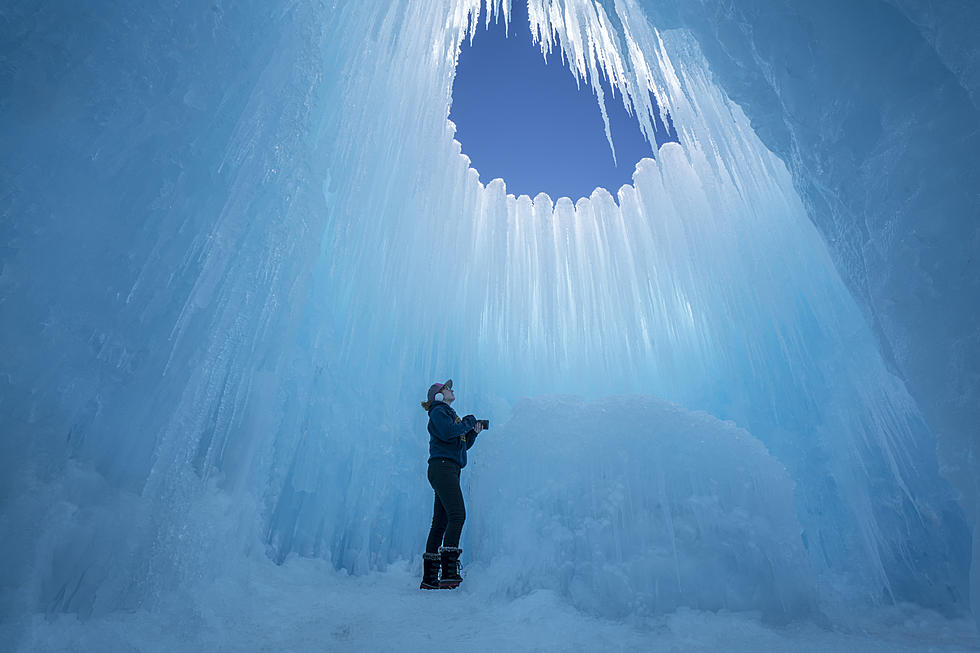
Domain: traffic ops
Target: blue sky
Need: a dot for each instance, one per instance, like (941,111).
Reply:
(526,122)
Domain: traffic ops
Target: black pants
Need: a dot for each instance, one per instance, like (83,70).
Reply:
(448,511)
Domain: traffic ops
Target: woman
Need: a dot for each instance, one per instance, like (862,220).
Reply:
(449,438)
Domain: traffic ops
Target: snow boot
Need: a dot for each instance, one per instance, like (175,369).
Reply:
(430,571)
(450,568)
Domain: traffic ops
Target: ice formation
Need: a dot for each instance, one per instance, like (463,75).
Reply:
(635,530)
(239,242)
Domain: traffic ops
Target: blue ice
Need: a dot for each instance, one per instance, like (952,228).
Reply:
(731,401)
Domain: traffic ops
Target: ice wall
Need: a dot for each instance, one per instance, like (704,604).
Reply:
(239,242)
(874,108)
(161,213)
(950,28)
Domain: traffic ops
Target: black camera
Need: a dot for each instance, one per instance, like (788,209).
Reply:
(485,422)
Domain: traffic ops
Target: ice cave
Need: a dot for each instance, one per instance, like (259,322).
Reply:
(734,403)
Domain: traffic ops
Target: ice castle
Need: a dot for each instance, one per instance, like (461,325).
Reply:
(735,402)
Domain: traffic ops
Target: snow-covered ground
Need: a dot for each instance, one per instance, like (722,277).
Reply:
(305,606)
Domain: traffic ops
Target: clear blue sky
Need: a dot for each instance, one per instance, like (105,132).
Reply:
(526,122)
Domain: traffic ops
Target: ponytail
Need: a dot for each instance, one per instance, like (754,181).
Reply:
(426,405)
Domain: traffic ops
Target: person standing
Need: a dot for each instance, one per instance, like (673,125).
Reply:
(450,437)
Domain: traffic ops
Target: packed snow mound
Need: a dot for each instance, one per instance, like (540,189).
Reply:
(634,505)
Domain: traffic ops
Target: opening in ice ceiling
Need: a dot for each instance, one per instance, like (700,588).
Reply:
(527,122)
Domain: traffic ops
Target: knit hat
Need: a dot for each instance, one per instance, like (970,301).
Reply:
(436,388)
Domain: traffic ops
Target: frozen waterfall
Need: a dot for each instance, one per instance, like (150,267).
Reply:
(715,392)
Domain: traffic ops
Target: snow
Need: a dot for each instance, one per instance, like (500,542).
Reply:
(226,231)
(305,606)
(598,502)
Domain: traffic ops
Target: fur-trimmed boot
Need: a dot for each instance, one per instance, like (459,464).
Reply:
(450,567)
(430,571)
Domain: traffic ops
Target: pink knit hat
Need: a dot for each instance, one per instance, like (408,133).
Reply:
(436,388)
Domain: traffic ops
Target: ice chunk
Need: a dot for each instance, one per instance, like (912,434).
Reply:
(634,505)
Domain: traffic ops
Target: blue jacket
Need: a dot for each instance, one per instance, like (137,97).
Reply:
(450,436)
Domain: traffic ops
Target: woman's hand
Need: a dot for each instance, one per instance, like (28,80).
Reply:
(478,427)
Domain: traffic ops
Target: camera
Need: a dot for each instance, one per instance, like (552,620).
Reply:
(484,422)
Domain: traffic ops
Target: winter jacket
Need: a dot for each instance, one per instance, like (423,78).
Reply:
(449,435)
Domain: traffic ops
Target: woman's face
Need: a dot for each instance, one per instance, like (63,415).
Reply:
(447,395)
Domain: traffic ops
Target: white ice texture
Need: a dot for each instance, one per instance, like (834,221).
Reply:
(239,241)
(637,530)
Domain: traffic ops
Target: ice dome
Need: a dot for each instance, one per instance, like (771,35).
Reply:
(734,402)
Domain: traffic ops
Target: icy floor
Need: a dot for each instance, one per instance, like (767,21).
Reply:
(306,606)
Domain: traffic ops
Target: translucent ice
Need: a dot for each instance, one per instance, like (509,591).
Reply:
(239,242)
